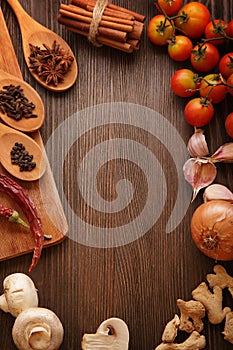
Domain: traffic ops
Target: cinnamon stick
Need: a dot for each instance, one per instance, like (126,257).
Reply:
(89,13)
(118,27)
(87,19)
(89,5)
(126,47)
(111,6)
(85,27)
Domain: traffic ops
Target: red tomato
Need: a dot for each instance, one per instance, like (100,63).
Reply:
(198,112)
(226,65)
(216,93)
(216,29)
(183,80)
(230,28)
(171,7)
(159,30)
(193,18)
(179,48)
(229,125)
(204,57)
(230,82)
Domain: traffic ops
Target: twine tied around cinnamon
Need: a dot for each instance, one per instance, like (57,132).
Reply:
(96,19)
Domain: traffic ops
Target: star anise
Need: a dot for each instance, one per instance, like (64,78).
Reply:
(35,64)
(50,63)
(51,73)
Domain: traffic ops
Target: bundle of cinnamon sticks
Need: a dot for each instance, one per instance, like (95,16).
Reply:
(119,28)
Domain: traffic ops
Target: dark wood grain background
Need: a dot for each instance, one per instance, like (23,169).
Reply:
(139,281)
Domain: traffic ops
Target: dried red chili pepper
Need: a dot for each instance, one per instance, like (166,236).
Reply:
(18,194)
(12,215)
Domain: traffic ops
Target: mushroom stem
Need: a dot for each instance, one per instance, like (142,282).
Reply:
(37,328)
(112,334)
(39,337)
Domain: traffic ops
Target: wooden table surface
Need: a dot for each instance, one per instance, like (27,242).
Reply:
(116,145)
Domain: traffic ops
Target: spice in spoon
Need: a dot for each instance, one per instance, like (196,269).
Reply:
(21,157)
(50,63)
(15,104)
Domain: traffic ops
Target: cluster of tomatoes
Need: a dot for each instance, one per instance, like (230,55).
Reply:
(189,34)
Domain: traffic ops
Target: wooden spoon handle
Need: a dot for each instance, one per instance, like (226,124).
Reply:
(8,60)
(26,22)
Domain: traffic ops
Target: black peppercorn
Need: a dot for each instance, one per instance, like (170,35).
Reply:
(22,158)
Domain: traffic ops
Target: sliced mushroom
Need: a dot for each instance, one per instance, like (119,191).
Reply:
(20,293)
(37,329)
(112,334)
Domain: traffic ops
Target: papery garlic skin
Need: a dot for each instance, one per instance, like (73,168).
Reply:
(217,191)
(199,173)
(223,154)
(197,145)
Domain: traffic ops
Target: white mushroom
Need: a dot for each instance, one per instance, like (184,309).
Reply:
(112,334)
(19,294)
(37,328)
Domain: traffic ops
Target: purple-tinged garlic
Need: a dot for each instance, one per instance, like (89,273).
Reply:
(199,173)
(217,191)
(197,145)
(223,154)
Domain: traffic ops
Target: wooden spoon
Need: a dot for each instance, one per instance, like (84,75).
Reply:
(36,34)
(8,137)
(24,124)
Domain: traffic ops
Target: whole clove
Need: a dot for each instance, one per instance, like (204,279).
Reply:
(21,157)
(15,104)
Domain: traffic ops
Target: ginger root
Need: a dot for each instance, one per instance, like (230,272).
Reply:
(212,302)
(228,329)
(171,329)
(220,279)
(194,342)
(194,310)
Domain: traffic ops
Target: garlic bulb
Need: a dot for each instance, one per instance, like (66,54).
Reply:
(197,145)
(199,173)
(217,191)
(223,154)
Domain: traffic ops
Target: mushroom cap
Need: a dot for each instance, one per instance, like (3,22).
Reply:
(20,293)
(37,328)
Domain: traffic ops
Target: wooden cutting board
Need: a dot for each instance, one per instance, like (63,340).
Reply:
(15,239)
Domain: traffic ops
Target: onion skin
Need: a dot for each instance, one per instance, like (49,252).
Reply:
(212,229)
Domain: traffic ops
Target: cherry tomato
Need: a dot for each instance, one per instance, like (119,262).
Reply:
(198,112)
(183,80)
(226,65)
(216,29)
(229,125)
(216,93)
(193,18)
(230,28)
(171,7)
(204,57)
(159,30)
(230,82)
(179,48)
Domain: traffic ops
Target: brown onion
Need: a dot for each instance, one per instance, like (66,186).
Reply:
(212,229)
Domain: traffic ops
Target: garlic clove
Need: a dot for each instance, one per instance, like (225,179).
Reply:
(217,191)
(199,173)
(223,154)
(197,145)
